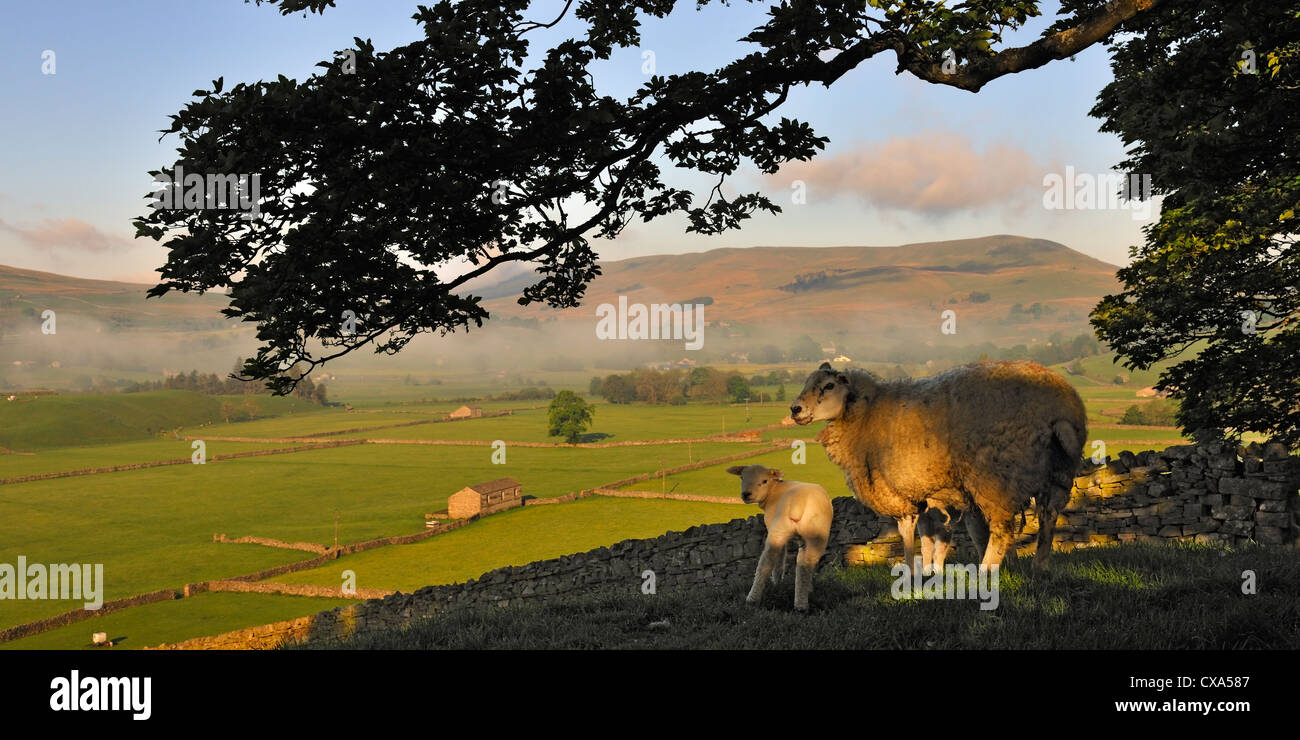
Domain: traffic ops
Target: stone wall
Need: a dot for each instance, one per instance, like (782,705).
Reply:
(288,589)
(80,615)
(269,542)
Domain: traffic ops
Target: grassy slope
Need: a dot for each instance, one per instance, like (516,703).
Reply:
(63,420)
(1137,597)
(123,453)
(173,621)
(517,537)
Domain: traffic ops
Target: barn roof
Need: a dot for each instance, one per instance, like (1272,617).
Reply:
(492,486)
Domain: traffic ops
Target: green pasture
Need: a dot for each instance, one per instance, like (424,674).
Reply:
(518,537)
(60,459)
(43,422)
(173,621)
(153,528)
(611,423)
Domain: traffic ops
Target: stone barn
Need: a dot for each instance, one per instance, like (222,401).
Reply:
(485,498)
(467,412)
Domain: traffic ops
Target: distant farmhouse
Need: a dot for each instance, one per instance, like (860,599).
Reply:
(467,412)
(485,498)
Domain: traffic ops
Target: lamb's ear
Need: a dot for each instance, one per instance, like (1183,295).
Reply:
(826,366)
(774,473)
(736,469)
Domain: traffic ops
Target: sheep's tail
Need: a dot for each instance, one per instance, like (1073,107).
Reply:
(1065,452)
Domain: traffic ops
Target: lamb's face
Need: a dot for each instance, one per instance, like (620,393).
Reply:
(823,397)
(756,481)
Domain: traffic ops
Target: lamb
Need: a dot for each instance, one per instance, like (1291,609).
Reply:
(789,508)
(981,439)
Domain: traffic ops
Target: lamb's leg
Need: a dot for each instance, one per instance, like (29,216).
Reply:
(942,534)
(778,573)
(907,530)
(766,561)
(805,568)
(927,545)
(935,528)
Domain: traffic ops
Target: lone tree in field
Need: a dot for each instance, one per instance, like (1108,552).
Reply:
(569,416)
(1208,96)
(387,168)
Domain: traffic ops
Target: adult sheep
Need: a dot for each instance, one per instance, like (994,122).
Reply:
(991,434)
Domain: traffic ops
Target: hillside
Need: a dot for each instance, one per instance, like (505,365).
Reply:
(1004,289)
(829,290)
(37,422)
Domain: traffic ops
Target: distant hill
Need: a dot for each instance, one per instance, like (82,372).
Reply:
(827,290)
(1003,289)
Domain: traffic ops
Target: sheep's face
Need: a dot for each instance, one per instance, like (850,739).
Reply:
(823,397)
(756,481)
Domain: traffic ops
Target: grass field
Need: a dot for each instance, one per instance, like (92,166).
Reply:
(1129,597)
(173,621)
(612,423)
(62,459)
(70,420)
(153,528)
(517,537)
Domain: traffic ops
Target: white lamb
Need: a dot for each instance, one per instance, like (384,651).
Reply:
(789,508)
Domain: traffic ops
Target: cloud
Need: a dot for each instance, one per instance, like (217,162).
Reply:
(66,234)
(934,174)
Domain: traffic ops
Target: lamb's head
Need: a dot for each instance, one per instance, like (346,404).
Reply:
(756,481)
(825,396)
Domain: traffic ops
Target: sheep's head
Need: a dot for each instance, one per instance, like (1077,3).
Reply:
(825,395)
(756,481)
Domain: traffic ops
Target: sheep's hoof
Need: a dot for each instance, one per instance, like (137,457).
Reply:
(752,601)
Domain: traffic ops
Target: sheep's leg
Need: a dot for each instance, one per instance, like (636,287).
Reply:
(978,529)
(766,561)
(1000,540)
(1048,506)
(805,567)
(907,530)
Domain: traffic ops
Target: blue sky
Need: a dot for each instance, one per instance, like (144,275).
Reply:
(907,162)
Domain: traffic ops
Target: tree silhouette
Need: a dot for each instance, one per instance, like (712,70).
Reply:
(387,167)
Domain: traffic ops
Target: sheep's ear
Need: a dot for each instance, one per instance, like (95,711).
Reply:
(735,469)
(774,473)
(843,378)
(826,366)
